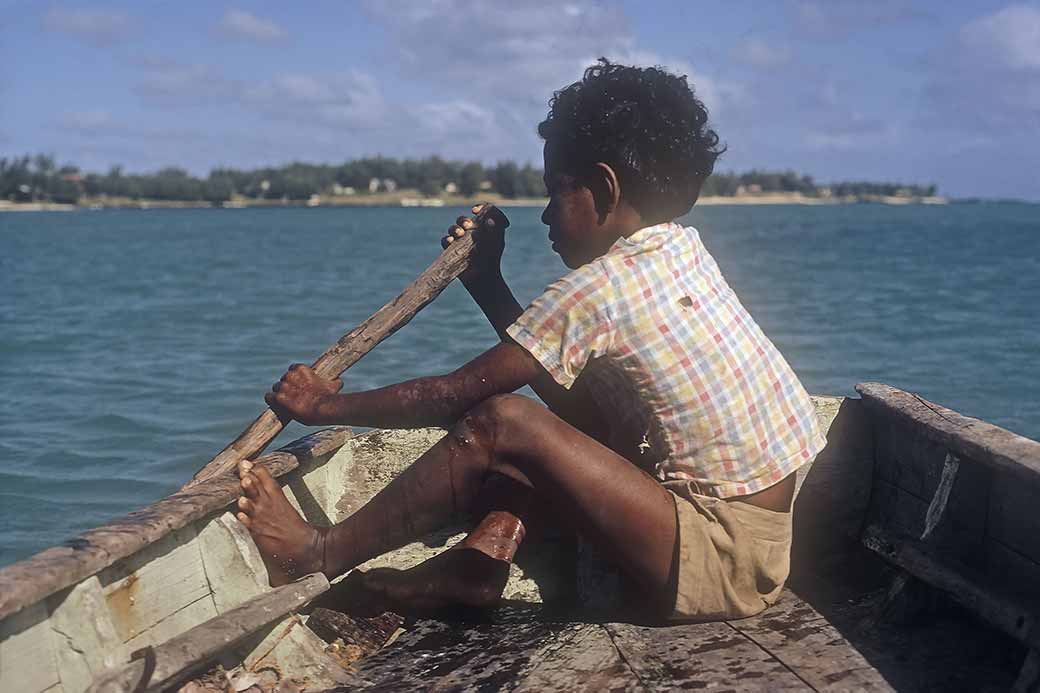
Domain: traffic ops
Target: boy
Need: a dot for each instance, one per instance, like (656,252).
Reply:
(673,429)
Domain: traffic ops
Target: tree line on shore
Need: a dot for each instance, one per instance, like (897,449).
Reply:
(40,178)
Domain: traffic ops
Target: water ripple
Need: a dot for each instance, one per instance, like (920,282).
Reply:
(134,345)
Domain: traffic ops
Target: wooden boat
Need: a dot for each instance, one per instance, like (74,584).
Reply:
(915,566)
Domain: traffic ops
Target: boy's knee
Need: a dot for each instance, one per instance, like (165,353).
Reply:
(501,419)
(507,409)
(508,414)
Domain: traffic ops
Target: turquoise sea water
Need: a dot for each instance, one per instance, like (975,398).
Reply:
(135,345)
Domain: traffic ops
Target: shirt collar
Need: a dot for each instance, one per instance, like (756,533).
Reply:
(645,234)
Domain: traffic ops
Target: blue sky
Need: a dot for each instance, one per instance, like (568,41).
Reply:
(884,90)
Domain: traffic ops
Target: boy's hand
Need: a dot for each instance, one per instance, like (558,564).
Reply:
(489,242)
(304,395)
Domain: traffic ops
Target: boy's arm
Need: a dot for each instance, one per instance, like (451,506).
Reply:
(575,406)
(441,400)
(483,278)
(303,395)
(486,285)
(496,301)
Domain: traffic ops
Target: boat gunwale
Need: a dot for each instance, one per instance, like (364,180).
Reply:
(33,579)
(964,436)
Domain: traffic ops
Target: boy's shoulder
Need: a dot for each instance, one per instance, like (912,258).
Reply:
(650,250)
(645,241)
(620,273)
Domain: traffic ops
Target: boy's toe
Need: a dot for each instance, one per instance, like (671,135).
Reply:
(246,505)
(243,518)
(265,480)
(257,488)
(250,487)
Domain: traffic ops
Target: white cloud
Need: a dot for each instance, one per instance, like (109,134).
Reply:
(761,54)
(168,82)
(245,25)
(521,50)
(89,122)
(1010,37)
(348,99)
(96,27)
(835,20)
(454,117)
(987,78)
(851,131)
(479,97)
(344,99)
(505,58)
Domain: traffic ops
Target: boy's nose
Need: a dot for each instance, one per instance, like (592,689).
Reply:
(545,214)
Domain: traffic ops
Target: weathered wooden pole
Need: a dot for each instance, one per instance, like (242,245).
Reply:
(358,342)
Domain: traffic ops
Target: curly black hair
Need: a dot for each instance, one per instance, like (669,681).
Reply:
(646,123)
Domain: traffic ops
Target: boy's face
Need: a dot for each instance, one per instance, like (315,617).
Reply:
(574,224)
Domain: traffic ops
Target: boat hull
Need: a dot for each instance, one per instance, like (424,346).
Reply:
(73,615)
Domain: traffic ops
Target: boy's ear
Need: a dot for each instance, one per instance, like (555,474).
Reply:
(606,190)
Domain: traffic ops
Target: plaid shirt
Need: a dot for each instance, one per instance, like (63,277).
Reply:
(692,388)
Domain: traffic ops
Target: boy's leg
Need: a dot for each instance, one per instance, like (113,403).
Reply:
(474,571)
(600,493)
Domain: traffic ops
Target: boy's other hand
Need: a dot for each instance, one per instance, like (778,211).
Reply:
(489,242)
(304,395)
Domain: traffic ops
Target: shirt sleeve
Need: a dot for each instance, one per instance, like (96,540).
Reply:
(569,324)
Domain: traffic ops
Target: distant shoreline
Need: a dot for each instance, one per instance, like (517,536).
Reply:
(389,200)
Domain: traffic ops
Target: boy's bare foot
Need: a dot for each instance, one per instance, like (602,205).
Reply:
(290,547)
(456,577)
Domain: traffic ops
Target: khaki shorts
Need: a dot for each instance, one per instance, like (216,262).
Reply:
(733,556)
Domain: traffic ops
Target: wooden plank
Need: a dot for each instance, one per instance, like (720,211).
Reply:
(290,649)
(234,569)
(319,484)
(965,436)
(1010,569)
(163,579)
(828,411)
(330,488)
(966,512)
(580,658)
(174,624)
(937,506)
(478,656)
(86,639)
(300,497)
(835,486)
(911,461)
(703,655)
(1028,680)
(908,457)
(961,534)
(902,597)
(523,653)
(377,457)
(1013,517)
(159,667)
(1019,619)
(27,582)
(807,644)
(897,509)
(360,636)
(27,652)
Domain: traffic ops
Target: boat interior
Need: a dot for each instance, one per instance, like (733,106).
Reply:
(914,567)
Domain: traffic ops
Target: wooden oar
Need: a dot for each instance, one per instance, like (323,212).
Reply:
(358,342)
